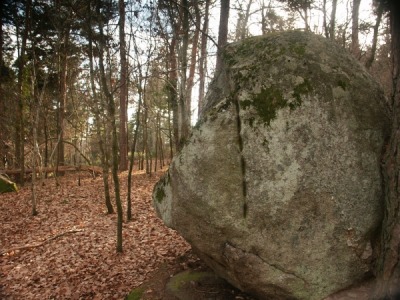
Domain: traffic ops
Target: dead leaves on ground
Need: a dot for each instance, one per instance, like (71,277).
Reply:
(82,264)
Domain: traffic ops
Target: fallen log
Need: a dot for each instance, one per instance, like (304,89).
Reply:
(93,169)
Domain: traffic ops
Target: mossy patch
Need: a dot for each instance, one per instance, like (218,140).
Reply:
(136,294)
(267,102)
(160,194)
(342,84)
(300,89)
(298,49)
(180,280)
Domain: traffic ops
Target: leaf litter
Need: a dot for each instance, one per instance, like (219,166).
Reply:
(68,251)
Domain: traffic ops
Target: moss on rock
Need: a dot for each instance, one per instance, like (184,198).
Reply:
(267,102)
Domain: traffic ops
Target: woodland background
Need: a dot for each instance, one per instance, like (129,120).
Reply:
(104,85)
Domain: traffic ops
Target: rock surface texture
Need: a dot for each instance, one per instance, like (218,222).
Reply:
(279,187)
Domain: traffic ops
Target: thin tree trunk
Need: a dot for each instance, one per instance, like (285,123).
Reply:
(222,32)
(171,144)
(157,141)
(2,101)
(146,152)
(193,61)
(20,124)
(333,20)
(172,91)
(132,159)
(63,59)
(103,156)
(37,103)
(306,21)
(325,24)
(114,142)
(379,14)
(184,123)
(162,164)
(355,45)
(123,96)
(203,58)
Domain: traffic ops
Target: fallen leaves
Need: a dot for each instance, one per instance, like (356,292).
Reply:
(81,264)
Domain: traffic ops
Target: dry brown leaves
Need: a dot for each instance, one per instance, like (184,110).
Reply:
(74,241)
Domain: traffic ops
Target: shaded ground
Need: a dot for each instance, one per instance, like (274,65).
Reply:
(188,278)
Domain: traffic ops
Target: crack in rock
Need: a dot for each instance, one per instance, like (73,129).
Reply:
(235,254)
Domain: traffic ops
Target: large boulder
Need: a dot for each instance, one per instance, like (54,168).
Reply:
(279,187)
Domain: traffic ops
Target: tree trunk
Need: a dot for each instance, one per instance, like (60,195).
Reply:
(333,20)
(172,88)
(324,23)
(19,124)
(132,159)
(171,144)
(103,156)
(184,119)
(243,19)
(222,32)
(36,153)
(123,96)
(193,61)
(35,110)
(203,58)
(2,100)
(388,265)
(63,60)
(114,142)
(379,14)
(355,46)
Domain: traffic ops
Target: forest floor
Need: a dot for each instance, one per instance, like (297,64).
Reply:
(68,251)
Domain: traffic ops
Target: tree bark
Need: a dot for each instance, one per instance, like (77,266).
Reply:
(123,96)
(333,20)
(222,33)
(388,266)
(64,34)
(184,118)
(132,159)
(379,14)
(20,124)
(355,45)
(2,103)
(172,90)
(103,156)
(324,23)
(114,142)
(193,62)
(243,19)
(203,58)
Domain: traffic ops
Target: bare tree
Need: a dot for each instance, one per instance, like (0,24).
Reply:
(19,123)
(243,20)
(332,23)
(222,32)
(114,142)
(379,13)
(355,45)
(203,56)
(123,94)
